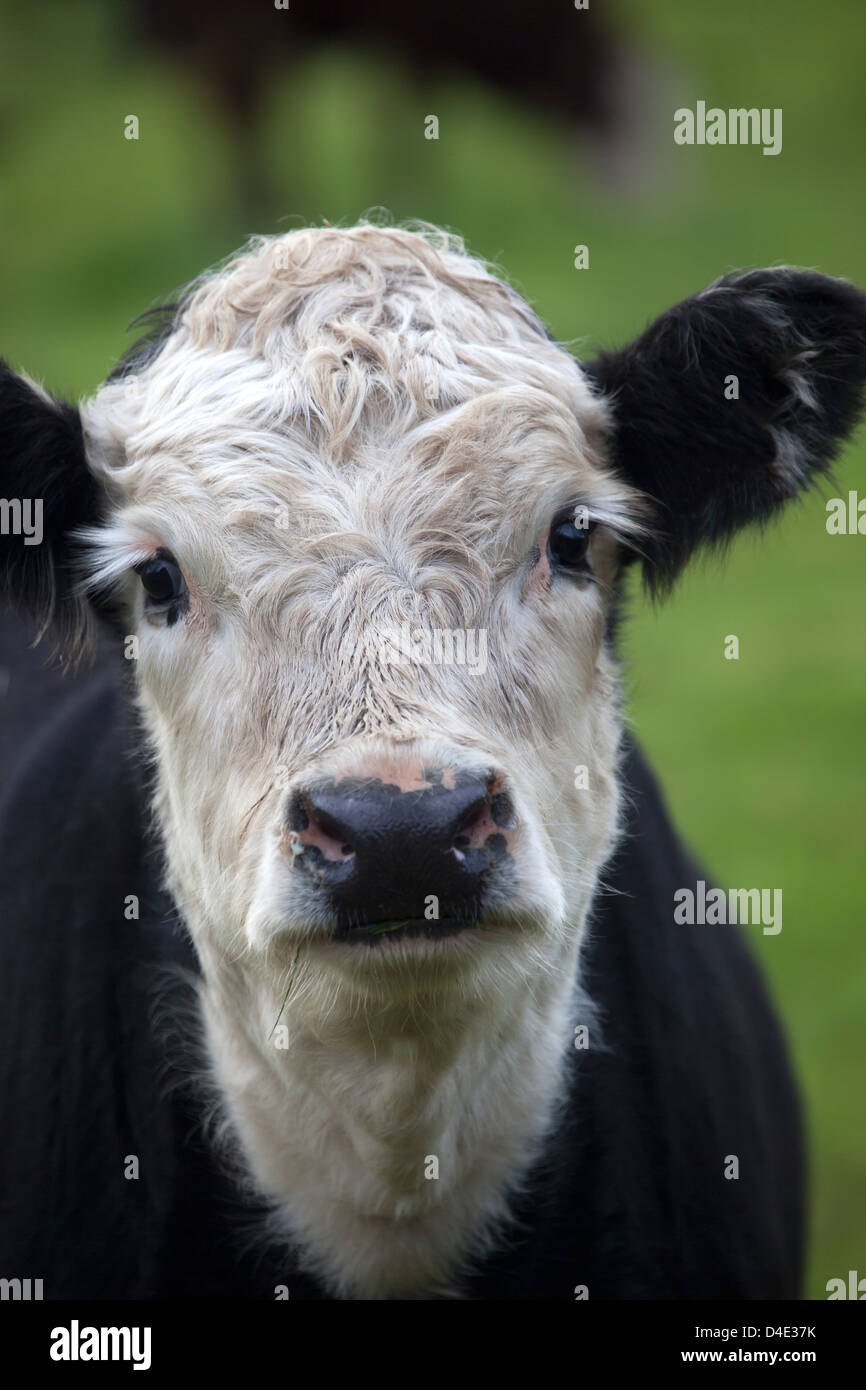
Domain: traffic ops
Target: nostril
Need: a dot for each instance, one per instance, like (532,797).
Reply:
(328,829)
(469,821)
(328,825)
(484,819)
(502,810)
(316,829)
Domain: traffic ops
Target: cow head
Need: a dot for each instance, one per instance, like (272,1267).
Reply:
(366,524)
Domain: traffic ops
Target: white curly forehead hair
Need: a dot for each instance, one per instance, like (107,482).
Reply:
(353,330)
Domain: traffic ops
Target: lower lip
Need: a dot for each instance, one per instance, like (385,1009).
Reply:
(415,928)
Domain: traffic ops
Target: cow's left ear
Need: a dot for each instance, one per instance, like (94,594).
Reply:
(47,492)
(733,401)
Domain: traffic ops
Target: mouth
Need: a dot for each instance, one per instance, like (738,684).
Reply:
(404,928)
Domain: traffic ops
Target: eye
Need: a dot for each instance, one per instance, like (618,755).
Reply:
(568,543)
(161,579)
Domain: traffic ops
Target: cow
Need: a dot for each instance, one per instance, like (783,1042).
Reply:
(337,965)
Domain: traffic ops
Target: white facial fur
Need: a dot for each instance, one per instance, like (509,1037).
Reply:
(347,430)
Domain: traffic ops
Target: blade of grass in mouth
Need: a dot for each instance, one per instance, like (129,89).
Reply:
(288,988)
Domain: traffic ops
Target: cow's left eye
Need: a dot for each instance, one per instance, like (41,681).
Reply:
(161,579)
(568,543)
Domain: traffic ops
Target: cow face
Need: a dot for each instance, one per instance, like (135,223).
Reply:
(366,540)
(366,524)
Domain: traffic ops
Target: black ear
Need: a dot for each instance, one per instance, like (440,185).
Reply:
(46,492)
(733,401)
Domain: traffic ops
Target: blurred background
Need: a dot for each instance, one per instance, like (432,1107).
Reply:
(555,129)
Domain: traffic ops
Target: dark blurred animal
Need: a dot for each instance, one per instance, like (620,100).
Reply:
(575,65)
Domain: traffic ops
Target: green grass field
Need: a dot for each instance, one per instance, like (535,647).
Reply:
(763,757)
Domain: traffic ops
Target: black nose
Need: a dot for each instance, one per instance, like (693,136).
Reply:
(386,859)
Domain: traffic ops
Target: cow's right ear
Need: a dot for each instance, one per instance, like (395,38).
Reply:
(46,493)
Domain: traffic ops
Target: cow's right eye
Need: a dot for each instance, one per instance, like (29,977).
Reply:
(161,579)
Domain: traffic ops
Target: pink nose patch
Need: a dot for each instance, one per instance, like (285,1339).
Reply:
(407,777)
